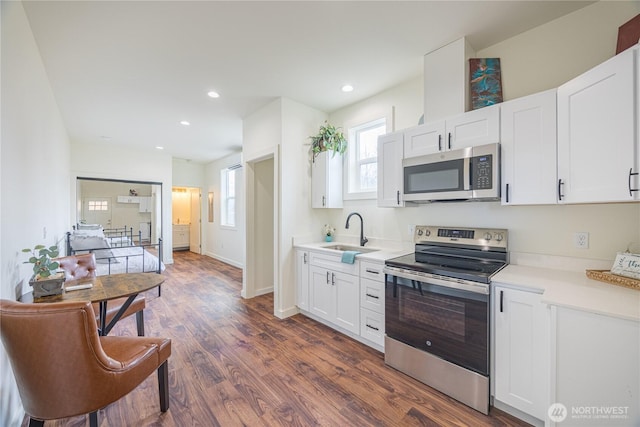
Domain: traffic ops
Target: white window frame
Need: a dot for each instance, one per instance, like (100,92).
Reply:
(351,163)
(98,205)
(225,198)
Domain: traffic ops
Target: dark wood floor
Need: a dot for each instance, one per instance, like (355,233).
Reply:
(234,364)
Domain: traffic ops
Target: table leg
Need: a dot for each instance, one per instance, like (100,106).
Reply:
(118,315)
(103,318)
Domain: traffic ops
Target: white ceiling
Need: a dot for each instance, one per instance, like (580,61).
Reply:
(127,72)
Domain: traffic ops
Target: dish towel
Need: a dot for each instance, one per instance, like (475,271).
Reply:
(349,257)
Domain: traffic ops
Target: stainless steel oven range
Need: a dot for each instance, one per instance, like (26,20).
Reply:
(437,309)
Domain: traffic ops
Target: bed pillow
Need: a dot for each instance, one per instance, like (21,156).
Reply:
(83,243)
(99,232)
(88,227)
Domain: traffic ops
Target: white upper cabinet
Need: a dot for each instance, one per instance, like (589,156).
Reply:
(528,142)
(473,128)
(326,180)
(390,184)
(446,80)
(597,117)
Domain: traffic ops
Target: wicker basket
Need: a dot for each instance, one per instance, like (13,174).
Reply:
(614,279)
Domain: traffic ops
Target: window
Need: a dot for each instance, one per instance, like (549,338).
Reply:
(98,205)
(362,159)
(228,187)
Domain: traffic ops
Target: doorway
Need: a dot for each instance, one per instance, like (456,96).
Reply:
(261,272)
(186,208)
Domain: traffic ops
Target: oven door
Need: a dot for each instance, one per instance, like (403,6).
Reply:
(449,322)
(441,176)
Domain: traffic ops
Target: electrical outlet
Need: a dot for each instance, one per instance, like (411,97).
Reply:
(411,230)
(581,240)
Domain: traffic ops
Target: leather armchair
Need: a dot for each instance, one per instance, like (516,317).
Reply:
(83,266)
(69,371)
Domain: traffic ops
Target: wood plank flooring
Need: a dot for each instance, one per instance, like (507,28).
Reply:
(234,364)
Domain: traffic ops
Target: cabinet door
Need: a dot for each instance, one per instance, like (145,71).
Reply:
(302,279)
(597,115)
(528,142)
(347,301)
(473,128)
(326,181)
(521,351)
(597,365)
(321,293)
(390,179)
(424,139)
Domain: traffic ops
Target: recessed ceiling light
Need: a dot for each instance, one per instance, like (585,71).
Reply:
(159,148)
(185,123)
(347,88)
(213,94)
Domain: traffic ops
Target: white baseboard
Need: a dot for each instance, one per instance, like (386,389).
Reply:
(225,260)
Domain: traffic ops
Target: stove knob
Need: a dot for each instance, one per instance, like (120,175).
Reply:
(420,232)
(499,237)
(427,232)
(487,236)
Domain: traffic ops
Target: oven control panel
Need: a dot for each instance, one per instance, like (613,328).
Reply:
(491,237)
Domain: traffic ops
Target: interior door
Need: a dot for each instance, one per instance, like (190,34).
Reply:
(194,230)
(97,211)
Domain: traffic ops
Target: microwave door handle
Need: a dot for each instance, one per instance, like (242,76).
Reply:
(468,179)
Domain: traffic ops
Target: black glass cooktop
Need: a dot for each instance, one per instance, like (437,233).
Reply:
(471,265)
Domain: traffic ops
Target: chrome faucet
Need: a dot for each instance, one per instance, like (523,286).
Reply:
(363,239)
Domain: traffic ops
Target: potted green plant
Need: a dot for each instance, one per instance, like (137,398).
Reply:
(46,279)
(329,138)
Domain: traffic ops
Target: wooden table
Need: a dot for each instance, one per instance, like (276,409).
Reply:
(103,289)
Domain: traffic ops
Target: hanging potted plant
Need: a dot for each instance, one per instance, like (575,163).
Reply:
(46,279)
(329,138)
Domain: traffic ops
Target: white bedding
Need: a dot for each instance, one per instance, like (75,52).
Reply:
(134,259)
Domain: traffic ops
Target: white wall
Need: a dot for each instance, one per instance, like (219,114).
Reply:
(533,61)
(551,54)
(35,192)
(121,162)
(223,243)
(187,173)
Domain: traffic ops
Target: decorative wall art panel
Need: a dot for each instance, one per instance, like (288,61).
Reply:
(485,82)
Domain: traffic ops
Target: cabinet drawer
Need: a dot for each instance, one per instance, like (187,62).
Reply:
(333,262)
(372,326)
(372,270)
(372,295)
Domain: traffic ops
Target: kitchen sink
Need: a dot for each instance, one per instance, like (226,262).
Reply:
(343,248)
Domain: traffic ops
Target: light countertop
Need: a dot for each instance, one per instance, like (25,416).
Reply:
(380,254)
(572,289)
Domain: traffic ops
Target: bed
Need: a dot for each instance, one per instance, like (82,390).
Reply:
(115,249)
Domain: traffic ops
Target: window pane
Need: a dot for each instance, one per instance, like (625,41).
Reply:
(231,212)
(368,174)
(231,183)
(369,142)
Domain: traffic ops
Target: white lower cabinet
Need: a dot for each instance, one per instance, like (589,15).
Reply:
(372,302)
(596,367)
(521,351)
(334,295)
(348,297)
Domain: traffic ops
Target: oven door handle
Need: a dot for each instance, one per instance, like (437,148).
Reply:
(476,287)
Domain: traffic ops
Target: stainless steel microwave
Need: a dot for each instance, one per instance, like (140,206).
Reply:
(471,173)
